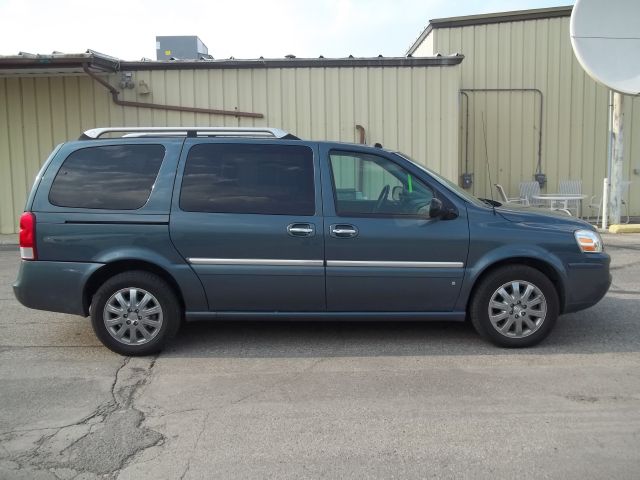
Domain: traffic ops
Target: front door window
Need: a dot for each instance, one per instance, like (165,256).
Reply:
(370,185)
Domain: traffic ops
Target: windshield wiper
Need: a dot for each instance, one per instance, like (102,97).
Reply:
(491,203)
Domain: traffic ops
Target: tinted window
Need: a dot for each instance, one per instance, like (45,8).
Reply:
(114,177)
(372,185)
(242,178)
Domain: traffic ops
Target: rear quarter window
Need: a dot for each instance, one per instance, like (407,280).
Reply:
(113,177)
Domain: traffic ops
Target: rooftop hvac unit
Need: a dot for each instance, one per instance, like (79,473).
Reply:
(181,48)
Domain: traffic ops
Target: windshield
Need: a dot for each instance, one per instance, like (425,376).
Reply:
(447,183)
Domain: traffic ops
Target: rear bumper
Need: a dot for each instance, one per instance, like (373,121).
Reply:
(587,282)
(53,286)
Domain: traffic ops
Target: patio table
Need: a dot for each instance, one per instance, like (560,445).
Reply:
(563,198)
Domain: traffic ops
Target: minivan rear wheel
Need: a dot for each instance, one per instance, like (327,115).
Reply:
(515,306)
(135,313)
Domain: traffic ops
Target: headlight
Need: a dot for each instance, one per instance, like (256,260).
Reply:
(588,241)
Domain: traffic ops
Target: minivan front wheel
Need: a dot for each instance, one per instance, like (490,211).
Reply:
(515,306)
(135,313)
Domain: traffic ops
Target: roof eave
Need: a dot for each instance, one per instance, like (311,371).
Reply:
(294,63)
(24,63)
(61,64)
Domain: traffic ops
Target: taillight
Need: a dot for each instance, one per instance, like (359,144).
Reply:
(28,236)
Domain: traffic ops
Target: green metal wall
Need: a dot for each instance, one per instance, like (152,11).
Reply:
(533,54)
(413,109)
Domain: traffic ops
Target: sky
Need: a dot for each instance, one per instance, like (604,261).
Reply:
(238,28)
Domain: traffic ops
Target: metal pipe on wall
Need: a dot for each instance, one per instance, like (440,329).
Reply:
(362,134)
(466,136)
(177,108)
(362,139)
(540,116)
(466,178)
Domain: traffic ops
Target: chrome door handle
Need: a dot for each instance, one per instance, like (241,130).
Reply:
(343,231)
(301,230)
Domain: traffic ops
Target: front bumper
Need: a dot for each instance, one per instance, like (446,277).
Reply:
(53,286)
(587,282)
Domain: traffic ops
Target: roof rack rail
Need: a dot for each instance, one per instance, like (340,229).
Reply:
(259,132)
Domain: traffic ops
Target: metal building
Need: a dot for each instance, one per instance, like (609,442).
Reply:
(410,104)
(542,108)
(516,74)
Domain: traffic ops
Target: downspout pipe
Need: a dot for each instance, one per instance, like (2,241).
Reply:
(466,136)
(362,134)
(176,108)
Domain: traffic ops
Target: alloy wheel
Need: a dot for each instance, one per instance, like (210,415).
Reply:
(517,309)
(132,316)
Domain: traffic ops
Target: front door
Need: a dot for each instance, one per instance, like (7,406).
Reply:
(247,217)
(383,251)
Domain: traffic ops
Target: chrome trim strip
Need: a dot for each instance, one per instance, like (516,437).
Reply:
(392,264)
(269,262)
(277,262)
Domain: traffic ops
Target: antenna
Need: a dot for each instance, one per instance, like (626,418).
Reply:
(486,156)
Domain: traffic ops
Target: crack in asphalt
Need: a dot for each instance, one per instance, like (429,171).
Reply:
(273,386)
(173,412)
(103,442)
(195,445)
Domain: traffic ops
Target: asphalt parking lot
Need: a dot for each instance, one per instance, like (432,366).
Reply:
(330,400)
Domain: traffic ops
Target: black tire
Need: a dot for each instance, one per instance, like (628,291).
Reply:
(156,286)
(479,305)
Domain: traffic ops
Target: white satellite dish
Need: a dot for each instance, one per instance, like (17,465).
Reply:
(605,36)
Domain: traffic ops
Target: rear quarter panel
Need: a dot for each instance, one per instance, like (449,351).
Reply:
(103,236)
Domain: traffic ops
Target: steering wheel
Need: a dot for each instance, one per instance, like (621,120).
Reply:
(382,197)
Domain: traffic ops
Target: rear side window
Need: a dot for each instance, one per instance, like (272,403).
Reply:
(243,178)
(113,177)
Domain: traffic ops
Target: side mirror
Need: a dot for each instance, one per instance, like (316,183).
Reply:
(396,192)
(438,210)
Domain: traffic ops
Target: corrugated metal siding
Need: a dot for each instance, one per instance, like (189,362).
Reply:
(425,49)
(535,54)
(413,109)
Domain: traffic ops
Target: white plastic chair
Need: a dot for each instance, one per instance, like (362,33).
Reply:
(528,190)
(595,203)
(505,199)
(571,187)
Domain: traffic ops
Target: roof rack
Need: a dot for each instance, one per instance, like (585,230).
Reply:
(259,132)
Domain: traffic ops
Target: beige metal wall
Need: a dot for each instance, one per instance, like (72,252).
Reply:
(413,109)
(534,54)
